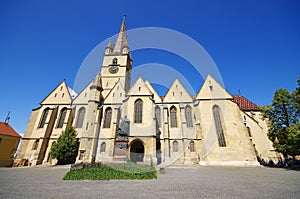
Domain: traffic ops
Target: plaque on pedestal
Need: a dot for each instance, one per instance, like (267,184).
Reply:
(121,144)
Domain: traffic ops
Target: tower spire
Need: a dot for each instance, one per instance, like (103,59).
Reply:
(121,40)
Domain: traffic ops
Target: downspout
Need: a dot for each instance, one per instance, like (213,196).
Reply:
(183,144)
(169,141)
(94,153)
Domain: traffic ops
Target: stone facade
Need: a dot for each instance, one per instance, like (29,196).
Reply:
(208,129)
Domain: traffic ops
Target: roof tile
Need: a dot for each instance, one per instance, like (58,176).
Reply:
(6,129)
(245,104)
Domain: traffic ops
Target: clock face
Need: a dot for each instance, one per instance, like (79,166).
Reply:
(113,69)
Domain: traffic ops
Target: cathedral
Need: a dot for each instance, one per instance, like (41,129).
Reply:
(117,122)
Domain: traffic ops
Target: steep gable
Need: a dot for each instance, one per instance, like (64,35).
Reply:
(116,95)
(156,97)
(177,93)
(211,89)
(60,95)
(139,88)
(83,96)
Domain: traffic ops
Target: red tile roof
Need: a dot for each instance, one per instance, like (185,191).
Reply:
(245,104)
(6,129)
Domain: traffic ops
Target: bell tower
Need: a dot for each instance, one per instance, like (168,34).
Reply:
(117,62)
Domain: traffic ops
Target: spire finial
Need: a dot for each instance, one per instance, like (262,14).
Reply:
(124,16)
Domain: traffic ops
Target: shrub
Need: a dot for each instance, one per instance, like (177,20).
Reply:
(66,148)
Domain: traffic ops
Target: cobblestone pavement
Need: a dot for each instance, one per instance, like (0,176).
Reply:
(178,182)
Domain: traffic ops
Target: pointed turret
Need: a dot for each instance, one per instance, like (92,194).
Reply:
(97,82)
(108,49)
(96,88)
(121,43)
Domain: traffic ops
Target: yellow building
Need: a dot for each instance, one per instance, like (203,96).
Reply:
(116,121)
(9,140)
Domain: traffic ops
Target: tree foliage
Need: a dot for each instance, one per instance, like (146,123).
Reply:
(284,115)
(66,148)
(296,94)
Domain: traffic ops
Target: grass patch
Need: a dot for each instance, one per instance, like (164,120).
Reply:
(113,171)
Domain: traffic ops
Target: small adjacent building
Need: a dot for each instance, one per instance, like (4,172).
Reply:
(9,141)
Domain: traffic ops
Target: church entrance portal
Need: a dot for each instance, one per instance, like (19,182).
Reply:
(137,152)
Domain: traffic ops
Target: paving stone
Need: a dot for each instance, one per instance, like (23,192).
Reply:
(178,182)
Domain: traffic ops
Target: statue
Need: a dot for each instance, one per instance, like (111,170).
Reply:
(123,129)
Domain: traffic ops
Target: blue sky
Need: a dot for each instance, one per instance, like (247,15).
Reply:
(255,44)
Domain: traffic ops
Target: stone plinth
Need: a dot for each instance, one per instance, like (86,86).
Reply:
(120,150)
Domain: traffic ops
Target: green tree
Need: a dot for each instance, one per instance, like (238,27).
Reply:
(296,94)
(66,148)
(284,116)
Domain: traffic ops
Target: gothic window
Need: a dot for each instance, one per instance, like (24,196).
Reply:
(80,117)
(188,116)
(103,147)
(138,111)
(43,118)
(175,146)
(62,117)
(115,61)
(35,144)
(218,124)
(173,117)
(192,146)
(157,116)
(107,118)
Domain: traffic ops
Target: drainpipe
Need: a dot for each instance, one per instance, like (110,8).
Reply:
(94,153)
(183,144)
(169,141)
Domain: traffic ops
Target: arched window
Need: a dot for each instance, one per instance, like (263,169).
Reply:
(44,118)
(103,147)
(188,116)
(173,117)
(192,146)
(80,117)
(157,116)
(35,144)
(138,111)
(175,146)
(107,118)
(115,61)
(62,117)
(218,124)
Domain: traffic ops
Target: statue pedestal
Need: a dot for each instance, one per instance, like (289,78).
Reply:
(120,150)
